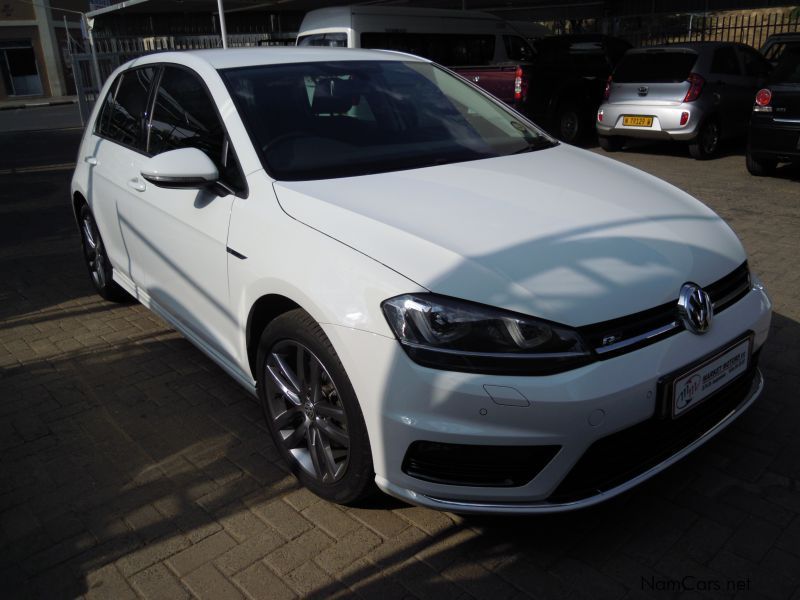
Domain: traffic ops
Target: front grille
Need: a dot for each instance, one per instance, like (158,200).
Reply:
(625,334)
(621,456)
(476,465)
(730,289)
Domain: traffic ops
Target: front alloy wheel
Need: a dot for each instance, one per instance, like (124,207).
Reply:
(306,410)
(312,411)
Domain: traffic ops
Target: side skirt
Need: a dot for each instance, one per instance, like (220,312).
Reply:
(228,366)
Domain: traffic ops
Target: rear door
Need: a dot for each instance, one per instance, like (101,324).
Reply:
(732,90)
(118,148)
(182,234)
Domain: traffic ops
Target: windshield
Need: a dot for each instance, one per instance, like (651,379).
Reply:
(336,119)
(655,67)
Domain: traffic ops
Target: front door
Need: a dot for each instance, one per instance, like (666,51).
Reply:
(182,234)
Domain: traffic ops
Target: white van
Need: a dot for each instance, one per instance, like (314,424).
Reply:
(449,37)
(482,47)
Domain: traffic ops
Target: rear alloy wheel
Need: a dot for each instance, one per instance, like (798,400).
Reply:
(312,411)
(96,259)
(569,124)
(760,166)
(611,143)
(706,144)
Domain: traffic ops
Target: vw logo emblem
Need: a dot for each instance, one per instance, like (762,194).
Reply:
(643,89)
(694,308)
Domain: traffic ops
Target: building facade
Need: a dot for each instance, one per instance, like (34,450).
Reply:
(33,46)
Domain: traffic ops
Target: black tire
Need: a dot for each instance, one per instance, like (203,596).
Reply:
(310,432)
(570,125)
(760,166)
(96,259)
(706,144)
(611,143)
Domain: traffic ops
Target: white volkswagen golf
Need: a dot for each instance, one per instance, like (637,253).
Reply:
(425,292)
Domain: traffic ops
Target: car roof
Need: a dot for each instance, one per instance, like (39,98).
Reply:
(232,58)
(784,35)
(693,46)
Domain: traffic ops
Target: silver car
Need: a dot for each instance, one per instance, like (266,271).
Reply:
(699,93)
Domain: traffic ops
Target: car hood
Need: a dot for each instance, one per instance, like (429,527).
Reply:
(562,234)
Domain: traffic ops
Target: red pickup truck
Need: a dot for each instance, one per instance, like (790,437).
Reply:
(560,85)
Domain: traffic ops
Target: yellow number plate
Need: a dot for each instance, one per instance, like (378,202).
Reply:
(637,121)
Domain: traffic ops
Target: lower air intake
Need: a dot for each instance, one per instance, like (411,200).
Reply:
(476,465)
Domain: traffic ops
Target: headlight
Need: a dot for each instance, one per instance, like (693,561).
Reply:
(456,335)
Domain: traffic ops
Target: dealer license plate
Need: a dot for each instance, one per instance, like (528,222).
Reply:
(637,121)
(692,388)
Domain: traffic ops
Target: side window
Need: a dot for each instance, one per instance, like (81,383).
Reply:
(773,53)
(517,49)
(449,49)
(755,65)
(333,40)
(184,117)
(724,61)
(124,111)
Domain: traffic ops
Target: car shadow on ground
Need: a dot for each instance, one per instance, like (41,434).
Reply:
(149,449)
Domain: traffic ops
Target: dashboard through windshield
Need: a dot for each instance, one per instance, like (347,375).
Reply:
(322,120)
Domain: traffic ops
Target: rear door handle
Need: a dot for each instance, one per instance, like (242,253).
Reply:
(137,185)
(90,159)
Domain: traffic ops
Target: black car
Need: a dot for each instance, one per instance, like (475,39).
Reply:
(775,121)
(566,80)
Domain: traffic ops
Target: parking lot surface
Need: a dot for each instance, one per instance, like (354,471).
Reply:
(132,466)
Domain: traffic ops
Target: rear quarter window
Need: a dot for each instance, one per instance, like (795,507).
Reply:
(655,67)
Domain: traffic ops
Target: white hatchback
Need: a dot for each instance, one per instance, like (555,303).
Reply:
(424,290)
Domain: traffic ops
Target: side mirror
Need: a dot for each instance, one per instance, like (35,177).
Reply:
(183,169)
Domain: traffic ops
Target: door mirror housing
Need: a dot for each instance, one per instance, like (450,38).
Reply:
(183,169)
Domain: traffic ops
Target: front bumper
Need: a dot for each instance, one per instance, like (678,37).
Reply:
(403,402)
(546,506)
(666,121)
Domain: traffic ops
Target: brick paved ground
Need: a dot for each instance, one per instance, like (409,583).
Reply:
(131,466)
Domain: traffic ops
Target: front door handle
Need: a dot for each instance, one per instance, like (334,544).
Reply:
(137,185)
(91,160)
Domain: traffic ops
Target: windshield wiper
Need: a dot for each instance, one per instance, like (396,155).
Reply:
(533,145)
